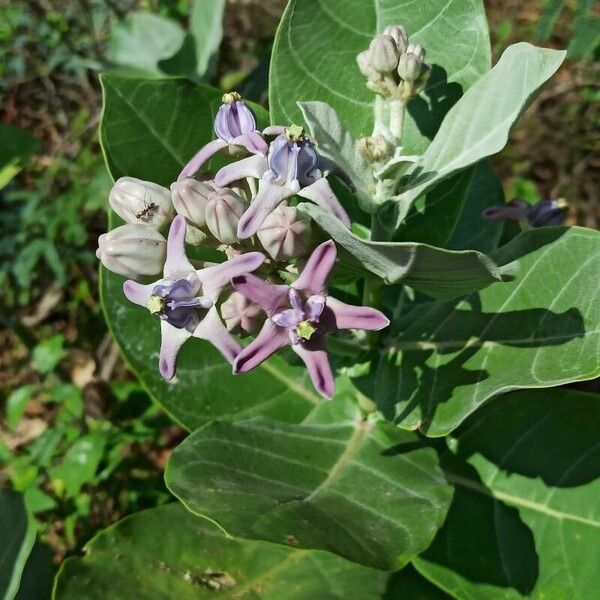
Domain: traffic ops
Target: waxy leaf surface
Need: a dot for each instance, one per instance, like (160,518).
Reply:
(166,553)
(367,491)
(525,518)
(434,271)
(541,329)
(314,58)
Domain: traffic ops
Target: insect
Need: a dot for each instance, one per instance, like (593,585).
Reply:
(147,211)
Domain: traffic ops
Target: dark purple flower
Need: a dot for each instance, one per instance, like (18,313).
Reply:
(184,299)
(300,316)
(545,213)
(290,168)
(235,126)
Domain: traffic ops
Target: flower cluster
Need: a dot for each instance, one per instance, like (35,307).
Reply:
(248,205)
(394,68)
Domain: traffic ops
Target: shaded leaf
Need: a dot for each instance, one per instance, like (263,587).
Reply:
(38,575)
(478,125)
(541,329)
(434,271)
(362,489)
(47,354)
(166,552)
(17,536)
(207,28)
(524,521)
(314,57)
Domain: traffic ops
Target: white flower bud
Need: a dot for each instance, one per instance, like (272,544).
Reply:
(411,65)
(240,315)
(223,212)
(142,202)
(190,198)
(132,250)
(363,60)
(399,35)
(374,148)
(285,233)
(383,54)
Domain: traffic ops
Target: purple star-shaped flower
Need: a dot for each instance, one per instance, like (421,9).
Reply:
(544,213)
(235,126)
(301,315)
(291,167)
(184,299)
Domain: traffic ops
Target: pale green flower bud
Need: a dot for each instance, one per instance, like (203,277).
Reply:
(383,54)
(399,35)
(285,233)
(132,250)
(374,148)
(363,60)
(240,314)
(223,212)
(190,198)
(143,202)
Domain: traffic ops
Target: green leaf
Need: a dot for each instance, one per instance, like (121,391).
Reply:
(140,40)
(410,585)
(433,271)
(79,465)
(166,552)
(16,404)
(336,143)
(449,215)
(38,575)
(207,28)
(548,18)
(478,125)
(314,57)
(541,329)
(359,488)
(47,354)
(18,536)
(152,127)
(524,519)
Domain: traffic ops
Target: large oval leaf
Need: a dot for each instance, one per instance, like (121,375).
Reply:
(167,553)
(314,58)
(524,521)
(17,532)
(362,489)
(541,329)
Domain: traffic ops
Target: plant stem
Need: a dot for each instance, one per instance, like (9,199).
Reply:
(397,110)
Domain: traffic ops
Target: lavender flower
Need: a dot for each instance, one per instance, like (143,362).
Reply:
(235,126)
(184,299)
(545,213)
(301,315)
(290,168)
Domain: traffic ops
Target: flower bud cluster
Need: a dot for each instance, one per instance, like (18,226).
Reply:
(394,68)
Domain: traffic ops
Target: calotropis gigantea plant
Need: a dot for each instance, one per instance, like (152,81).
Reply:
(384,379)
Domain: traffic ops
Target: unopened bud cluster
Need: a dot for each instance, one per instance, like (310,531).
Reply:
(394,68)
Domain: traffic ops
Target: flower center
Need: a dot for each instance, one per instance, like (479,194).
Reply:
(156,305)
(230,98)
(295,133)
(305,330)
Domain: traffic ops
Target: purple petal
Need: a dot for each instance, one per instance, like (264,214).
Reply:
(177,265)
(171,341)
(212,329)
(268,296)
(137,293)
(320,193)
(270,339)
(347,316)
(268,198)
(273,130)
(316,271)
(314,307)
(234,119)
(215,278)
(253,142)
(200,158)
(513,213)
(315,358)
(286,318)
(253,166)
